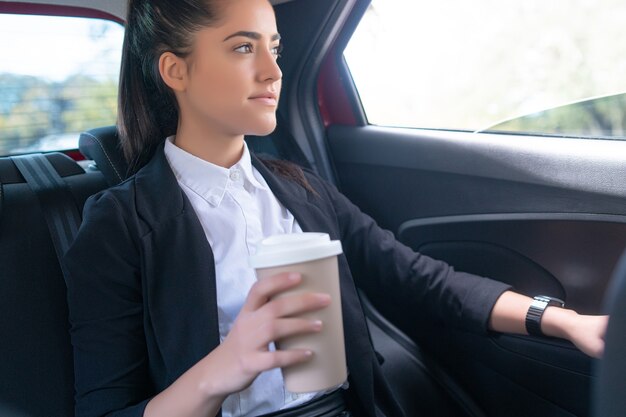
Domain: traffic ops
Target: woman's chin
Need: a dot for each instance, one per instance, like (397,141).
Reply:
(262,129)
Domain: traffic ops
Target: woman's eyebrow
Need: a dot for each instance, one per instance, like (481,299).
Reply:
(251,35)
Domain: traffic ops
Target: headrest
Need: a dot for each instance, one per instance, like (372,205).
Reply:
(609,398)
(102,145)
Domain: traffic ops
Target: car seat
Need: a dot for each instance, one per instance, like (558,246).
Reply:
(36,370)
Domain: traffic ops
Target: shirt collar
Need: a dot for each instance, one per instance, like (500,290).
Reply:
(206,179)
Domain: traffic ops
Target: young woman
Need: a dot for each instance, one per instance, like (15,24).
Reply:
(167,318)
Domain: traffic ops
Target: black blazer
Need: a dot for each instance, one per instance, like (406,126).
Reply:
(141,288)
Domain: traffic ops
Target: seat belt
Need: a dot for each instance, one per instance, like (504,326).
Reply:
(56,200)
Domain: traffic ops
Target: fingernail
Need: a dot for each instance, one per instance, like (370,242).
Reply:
(317,324)
(294,276)
(308,353)
(324,298)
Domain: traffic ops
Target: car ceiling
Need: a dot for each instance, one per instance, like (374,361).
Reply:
(114,7)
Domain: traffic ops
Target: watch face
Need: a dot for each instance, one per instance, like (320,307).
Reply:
(540,303)
(537,307)
(550,301)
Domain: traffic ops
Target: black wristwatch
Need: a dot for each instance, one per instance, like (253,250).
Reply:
(538,306)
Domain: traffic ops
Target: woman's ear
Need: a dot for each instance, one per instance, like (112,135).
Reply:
(173,70)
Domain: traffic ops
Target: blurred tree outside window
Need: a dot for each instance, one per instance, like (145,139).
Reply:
(58,77)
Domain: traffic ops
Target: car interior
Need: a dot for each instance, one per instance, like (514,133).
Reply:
(544,216)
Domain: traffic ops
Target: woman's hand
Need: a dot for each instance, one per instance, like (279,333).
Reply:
(586,332)
(237,361)
(244,354)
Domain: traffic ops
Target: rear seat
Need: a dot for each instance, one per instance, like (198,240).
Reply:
(36,370)
(36,367)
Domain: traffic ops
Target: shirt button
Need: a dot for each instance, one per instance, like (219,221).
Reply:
(235,175)
(213,200)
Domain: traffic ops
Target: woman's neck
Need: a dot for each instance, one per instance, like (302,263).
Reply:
(219,149)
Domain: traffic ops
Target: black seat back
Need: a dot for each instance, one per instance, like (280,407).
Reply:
(36,369)
(610,388)
(102,145)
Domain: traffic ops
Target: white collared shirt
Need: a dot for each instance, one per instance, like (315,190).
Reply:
(237,209)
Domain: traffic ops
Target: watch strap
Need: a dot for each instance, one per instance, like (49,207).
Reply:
(536,310)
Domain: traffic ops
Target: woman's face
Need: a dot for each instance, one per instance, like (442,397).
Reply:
(233,64)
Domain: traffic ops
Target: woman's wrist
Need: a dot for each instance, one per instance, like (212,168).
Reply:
(211,384)
(558,322)
(193,394)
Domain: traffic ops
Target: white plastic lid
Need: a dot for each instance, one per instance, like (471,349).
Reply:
(293,248)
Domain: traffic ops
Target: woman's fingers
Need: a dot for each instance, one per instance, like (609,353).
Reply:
(263,290)
(266,288)
(282,358)
(290,305)
(262,321)
(277,329)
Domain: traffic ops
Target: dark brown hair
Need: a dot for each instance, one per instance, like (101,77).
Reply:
(147,107)
(290,171)
(148,111)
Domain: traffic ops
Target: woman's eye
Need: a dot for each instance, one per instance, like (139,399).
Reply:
(247,49)
(277,50)
(244,49)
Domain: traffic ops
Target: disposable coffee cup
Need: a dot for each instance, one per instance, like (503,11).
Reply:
(314,256)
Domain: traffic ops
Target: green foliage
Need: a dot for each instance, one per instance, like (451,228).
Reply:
(600,117)
(32,108)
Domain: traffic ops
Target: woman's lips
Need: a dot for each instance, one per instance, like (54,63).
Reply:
(265,98)
(268,101)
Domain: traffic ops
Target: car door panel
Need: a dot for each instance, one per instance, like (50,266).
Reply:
(565,255)
(545,214)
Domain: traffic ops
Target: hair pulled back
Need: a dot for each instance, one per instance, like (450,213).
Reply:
(147,108)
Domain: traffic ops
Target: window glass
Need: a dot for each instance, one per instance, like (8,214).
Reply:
(603,117)
(58,77)
(493,65)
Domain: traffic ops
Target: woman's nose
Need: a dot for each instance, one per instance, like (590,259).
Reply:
(269,68)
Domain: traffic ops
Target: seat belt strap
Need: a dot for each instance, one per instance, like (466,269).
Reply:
(55,198)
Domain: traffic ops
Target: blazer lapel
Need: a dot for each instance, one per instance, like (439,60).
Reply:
(179,271)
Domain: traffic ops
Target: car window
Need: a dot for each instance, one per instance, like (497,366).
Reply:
(493,65)
(602,117)
(58,77)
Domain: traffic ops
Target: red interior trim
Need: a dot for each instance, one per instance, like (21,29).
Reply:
(55,10)
(75,155)
(333,101)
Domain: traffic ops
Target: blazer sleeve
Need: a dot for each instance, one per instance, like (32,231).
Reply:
(106,314)
(381,265)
